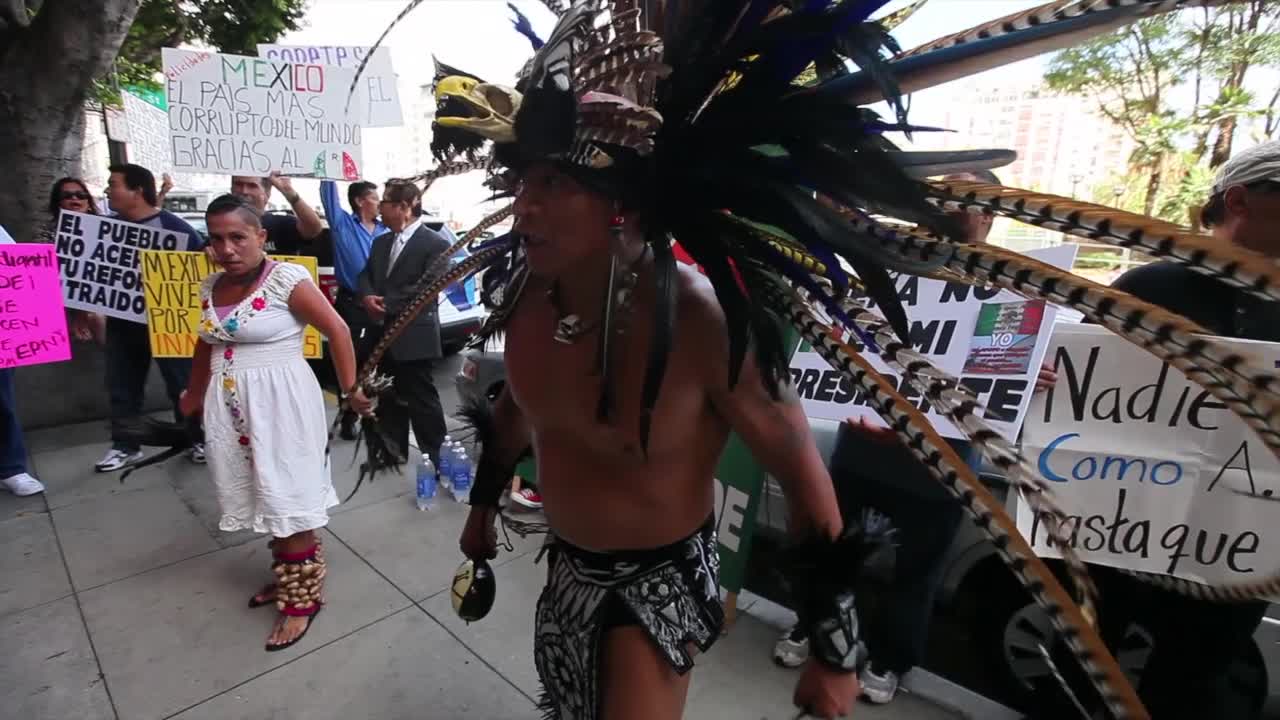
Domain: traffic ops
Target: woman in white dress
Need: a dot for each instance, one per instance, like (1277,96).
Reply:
(264,415)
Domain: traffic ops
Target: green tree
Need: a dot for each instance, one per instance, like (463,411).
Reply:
(1134,75)
(58,55)
(230,26)
(1130,75)
(1239,38)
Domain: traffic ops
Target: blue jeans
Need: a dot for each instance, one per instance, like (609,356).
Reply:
(888,478)
(128,362)
(13,451)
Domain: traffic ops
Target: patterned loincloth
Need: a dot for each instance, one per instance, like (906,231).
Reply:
(671,592)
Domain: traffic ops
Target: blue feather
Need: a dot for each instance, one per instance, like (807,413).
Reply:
(525,28)
(928,69)
(801,277)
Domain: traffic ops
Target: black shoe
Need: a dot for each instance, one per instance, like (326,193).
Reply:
(348,429)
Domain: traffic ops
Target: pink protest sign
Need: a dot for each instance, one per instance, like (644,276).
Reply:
(33,324)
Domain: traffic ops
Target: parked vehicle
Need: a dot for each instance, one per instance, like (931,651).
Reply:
(459,308)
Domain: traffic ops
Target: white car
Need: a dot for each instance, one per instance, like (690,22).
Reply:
(460,311)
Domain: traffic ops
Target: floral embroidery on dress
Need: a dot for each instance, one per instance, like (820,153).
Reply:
(217,331)
(223,333)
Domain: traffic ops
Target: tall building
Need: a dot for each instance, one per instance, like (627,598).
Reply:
(1065,145)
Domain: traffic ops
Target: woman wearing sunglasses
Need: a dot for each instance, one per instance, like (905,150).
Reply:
(73,195)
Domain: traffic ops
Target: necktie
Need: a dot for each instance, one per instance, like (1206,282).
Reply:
(396,249)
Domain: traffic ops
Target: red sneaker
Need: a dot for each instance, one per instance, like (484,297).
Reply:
(528,497)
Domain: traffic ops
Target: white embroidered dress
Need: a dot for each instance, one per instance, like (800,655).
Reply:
(264,413)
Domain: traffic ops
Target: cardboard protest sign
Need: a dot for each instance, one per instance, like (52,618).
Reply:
(98,258)
(1154,473)
(33,323)
(148,134)
(992,339)
(377,90)
(238,115)
(172,283)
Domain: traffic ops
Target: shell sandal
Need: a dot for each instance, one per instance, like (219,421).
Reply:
(265,596)
(299,588)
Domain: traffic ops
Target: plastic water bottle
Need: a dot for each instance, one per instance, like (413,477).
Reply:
(426,484)
(447,450)
(462,477)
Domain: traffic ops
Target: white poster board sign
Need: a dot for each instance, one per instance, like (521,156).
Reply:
(377,91)
(1154,473)
(148,134)
(993,340)
(98,262)
(238,115)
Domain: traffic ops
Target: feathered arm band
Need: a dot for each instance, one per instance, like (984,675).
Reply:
(493,472)
(823,574)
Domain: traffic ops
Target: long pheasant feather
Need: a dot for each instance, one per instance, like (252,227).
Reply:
(1233,265)
(1052,26)
(1035,279)
(957,404)
(1233,378)
(943,463)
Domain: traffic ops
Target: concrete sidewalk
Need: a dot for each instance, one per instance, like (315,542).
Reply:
(125,601)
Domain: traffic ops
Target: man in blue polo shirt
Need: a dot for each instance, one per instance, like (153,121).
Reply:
(132,194)
(353,233)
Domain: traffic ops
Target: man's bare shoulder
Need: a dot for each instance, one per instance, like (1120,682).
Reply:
(698,306)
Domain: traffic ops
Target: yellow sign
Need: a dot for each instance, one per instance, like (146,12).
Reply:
(171,283)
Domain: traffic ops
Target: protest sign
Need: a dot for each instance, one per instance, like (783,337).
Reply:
(378,90)
(739,481)
(993,340)
(98,259)
(239,115)
(33,323)
(172,283)
(148,134)
(1153,472)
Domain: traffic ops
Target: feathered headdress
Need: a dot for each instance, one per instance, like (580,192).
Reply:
(736,127)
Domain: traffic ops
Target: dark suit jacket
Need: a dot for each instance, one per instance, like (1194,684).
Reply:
(421,340)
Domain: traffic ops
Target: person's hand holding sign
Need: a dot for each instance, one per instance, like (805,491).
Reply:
(284,185)
(1046,379)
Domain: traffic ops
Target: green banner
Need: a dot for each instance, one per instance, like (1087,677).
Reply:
(151,95)
(740,483)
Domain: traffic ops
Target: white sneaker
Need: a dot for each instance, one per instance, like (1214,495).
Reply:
(878,688)
(22,484)
(196,454)
(117,459)
(792,649)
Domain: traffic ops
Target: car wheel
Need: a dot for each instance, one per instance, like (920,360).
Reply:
(1016,635)
(1027,630)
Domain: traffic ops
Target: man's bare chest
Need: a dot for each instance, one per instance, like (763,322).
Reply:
(559,386)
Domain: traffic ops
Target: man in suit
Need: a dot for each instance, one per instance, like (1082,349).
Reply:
(397,260)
